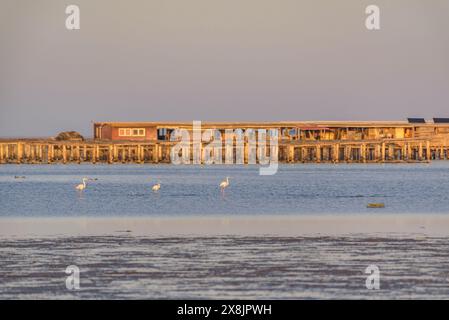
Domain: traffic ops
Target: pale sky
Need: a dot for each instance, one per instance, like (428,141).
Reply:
(150,60)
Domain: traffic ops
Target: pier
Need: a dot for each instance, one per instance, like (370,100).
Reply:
(414,140)
(343,151)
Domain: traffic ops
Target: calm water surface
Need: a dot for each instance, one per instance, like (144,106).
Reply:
(125,190)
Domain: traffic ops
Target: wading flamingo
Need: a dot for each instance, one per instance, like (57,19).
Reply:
(82,186)
(156,187)
(224,184)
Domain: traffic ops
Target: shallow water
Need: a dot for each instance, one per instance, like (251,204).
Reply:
(125,190)
(121,264)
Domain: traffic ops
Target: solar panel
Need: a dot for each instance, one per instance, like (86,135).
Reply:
(416,120)
(440,120)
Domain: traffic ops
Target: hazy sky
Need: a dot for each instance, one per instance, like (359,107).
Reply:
(153,60)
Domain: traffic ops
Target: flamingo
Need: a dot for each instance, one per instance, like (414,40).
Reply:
(224,184)
(82,186)
(156,187)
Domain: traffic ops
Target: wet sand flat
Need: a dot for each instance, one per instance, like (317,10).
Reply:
(306,257)
(282,225)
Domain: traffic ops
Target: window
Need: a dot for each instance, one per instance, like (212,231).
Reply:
(131,132)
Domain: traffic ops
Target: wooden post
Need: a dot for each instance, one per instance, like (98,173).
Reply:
(428,151)
(1,153)
(38,153)
(78,153)
(121,151)
(378,152)
(7,153)
(291,153)
(30,156)
(94,156)
(97,153)
(26,148)
(363,152)
(409,151)
(347,153)
(229,153)
(128,151)
(383,152)
(156,153)
(336,153)
(64,154)
(115,155)
(390,152)
(318,153)
(420,151)
(110,154)
(49,153)
(139,156)
(203,153)
(19,153)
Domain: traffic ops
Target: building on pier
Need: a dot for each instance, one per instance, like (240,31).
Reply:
(413,140)
(289,131)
